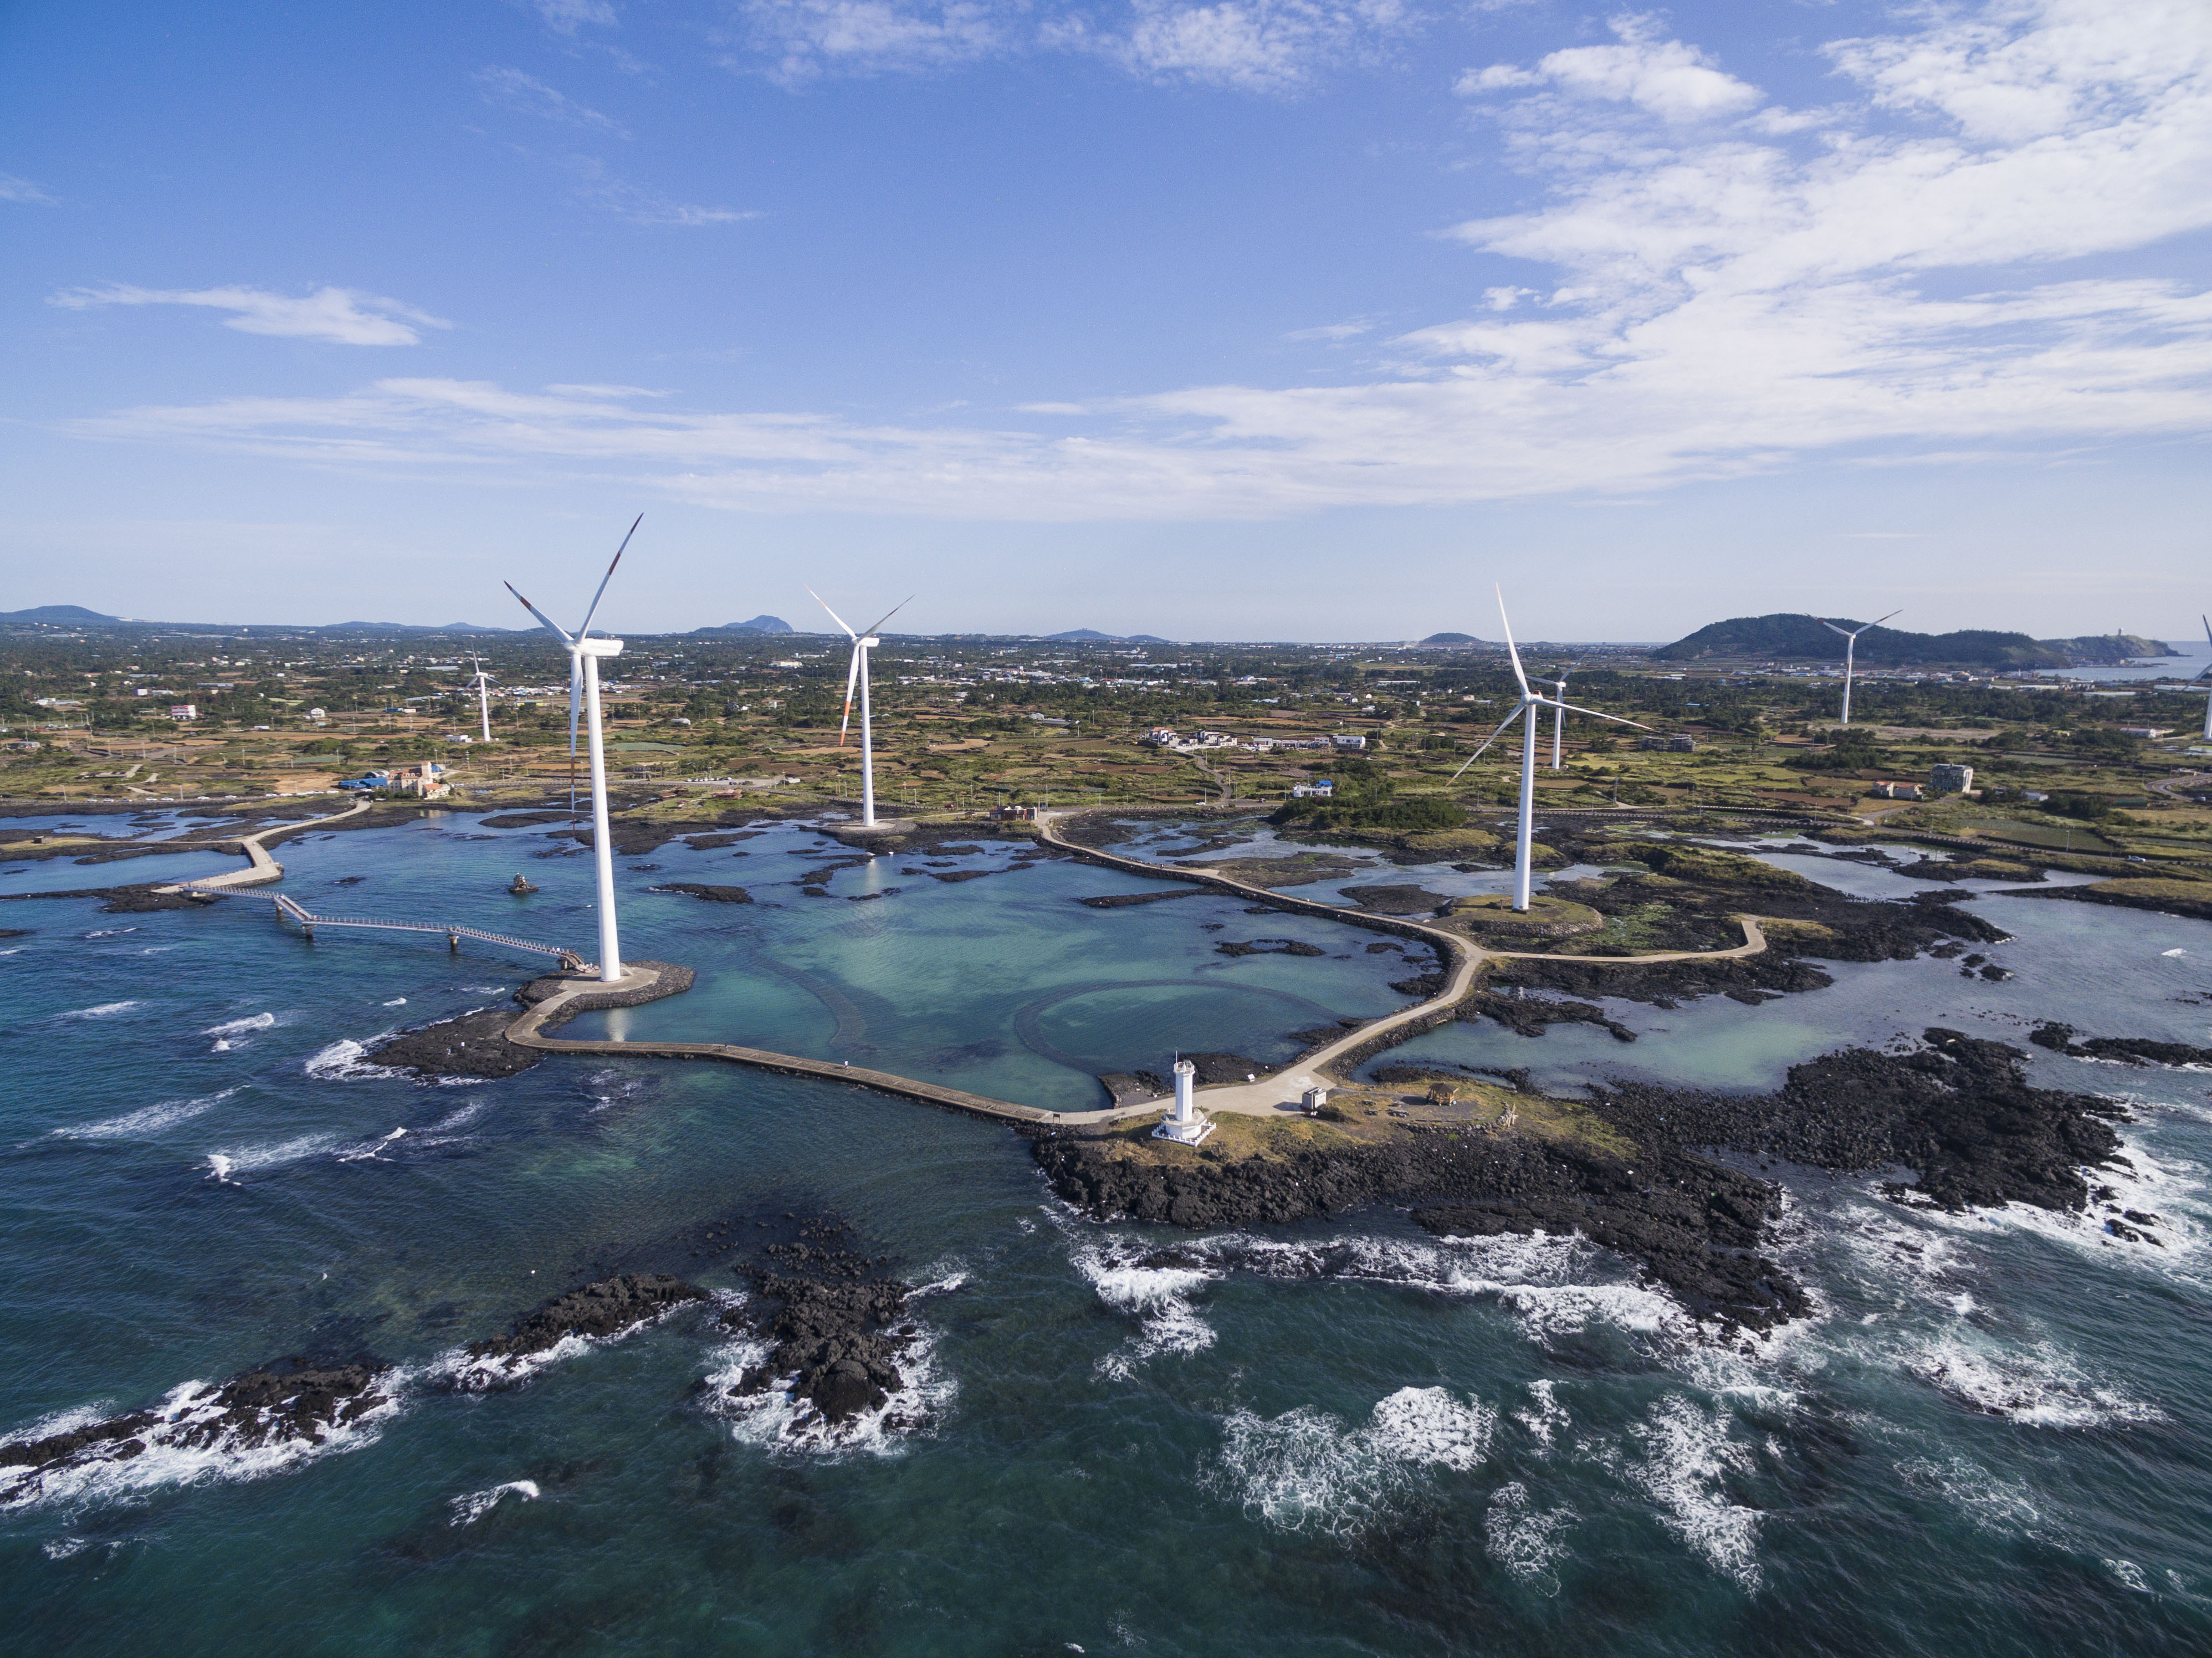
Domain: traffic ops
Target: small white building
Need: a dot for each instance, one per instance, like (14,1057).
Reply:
(1947,779)
(184,711)
(1349,740)
(1321,788)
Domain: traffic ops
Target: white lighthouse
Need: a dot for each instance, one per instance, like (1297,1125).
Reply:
(1183,1125)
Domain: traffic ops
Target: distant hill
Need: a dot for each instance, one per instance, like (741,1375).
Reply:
(1451,639)
(407,627)
(1802,638)
(61,613)
(759,624)
(1092,636)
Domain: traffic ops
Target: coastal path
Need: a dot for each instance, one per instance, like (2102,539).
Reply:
(260,868)
(641,984)
(1266,1095)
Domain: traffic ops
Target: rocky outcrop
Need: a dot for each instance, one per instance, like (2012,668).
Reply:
(836,1330)
(471,1045)
(1958,1111)
(713,895)
(2128,1050)
(607,1307)
(296,1401)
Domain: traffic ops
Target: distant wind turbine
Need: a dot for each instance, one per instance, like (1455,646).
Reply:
(1560,717)
(857,672)
(2200,673)
(1528,709)
(482,681)
(1850,650)
(584,654)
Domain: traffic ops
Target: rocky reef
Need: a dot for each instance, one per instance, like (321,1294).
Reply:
(1636,1167)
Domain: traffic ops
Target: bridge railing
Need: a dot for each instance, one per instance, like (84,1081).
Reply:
(285,905)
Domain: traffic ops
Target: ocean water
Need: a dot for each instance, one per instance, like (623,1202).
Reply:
(1994,1436)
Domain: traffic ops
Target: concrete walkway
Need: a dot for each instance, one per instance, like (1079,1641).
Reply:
(639,983)
(1281,1091)
(260,868)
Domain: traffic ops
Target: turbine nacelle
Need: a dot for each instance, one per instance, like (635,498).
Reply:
(601,647)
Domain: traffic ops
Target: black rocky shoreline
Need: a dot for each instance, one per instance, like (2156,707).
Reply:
(1956,1113)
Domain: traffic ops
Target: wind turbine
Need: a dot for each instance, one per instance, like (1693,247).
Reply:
(1529,705)
(857,671)
(482,681)
(584,654)
(1559,717)
(1851,649)
(2200,673)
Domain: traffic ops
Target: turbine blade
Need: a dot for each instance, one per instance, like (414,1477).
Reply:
(834,617)
(1833,628)
(576,698)
(888,614)
(1487,741)
(545,619)
(1572,708)
(1878,619)
(1512,649)
(608,577)
(852,679)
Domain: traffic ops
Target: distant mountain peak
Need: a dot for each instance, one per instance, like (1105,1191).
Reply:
(759,624)
(61,613)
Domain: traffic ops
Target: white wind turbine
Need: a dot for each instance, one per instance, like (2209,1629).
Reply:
(1850,651)
(584,654)
(2200,673)
(1559,715)
(1529,705)
(857,671)
(482,681)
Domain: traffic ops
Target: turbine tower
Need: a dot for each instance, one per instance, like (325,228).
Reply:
(1850,650)
(1529,709)
(857,671)
(584,654)
(482,681)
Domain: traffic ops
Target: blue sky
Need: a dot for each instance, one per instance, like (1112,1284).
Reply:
(1249,319)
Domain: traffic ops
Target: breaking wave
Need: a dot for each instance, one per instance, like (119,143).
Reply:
(472,1506)
(1306,1471)
(103,1011)
(232,1033)
(345,1060)
(1525,1539)
(147,1120)
(192,1442)
(1688,1460)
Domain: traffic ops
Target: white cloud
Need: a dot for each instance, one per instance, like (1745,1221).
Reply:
(341,316)
(511,88)
(603,188)
(810,38)
(567,17)
(1672,81)
(1722,302)
(1257,45)
(12,189)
